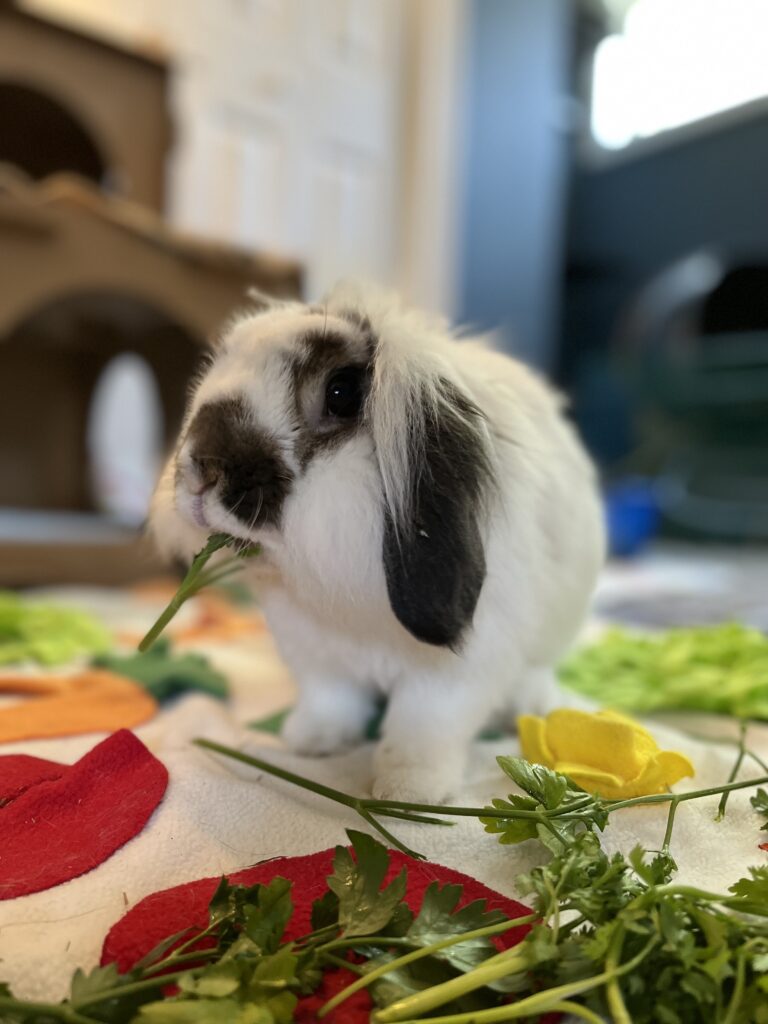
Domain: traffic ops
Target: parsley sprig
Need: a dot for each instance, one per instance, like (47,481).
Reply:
(198,577)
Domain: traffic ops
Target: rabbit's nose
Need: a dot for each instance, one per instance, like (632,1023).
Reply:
(229,451)
(207,472)
(198,475)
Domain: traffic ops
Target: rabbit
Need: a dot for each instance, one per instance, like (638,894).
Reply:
(429,524)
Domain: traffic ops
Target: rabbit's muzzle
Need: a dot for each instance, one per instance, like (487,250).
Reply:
(228,454)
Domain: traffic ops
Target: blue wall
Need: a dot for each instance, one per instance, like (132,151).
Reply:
(516,172)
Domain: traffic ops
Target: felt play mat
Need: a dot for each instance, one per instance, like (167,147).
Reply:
(169,812)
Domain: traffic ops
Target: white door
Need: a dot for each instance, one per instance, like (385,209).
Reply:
(289,132)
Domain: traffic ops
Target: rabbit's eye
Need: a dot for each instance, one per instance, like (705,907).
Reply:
(344,393)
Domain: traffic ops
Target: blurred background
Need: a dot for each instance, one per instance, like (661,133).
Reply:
(588,177)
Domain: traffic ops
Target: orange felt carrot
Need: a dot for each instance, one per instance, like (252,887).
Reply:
(92,701)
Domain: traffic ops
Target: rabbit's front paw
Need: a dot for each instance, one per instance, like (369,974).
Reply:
(313,735)
(414,784)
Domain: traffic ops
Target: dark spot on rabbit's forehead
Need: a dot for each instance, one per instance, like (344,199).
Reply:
(242,461)
(321,350)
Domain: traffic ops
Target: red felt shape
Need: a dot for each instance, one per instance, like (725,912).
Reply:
(59,828)
(186,906)
(18,772)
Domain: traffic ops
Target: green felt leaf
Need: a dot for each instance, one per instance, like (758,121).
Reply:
(721,669)
(47,634)
(364,907)
(273,724)
(166,675)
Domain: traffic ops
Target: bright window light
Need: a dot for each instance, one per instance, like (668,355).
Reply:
(677,61)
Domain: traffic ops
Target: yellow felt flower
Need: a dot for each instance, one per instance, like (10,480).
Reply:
(604,752)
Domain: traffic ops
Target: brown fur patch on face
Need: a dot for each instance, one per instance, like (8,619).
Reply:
(243,463)
(321,353)
(318,352)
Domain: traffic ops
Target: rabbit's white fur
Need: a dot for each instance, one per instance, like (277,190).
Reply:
(321,577)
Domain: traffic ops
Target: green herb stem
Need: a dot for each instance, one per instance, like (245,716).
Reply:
(695,794)
(57,1011)
(613,994)
(360,805)
(118,991)
(673,805)
(541,1002)
(368,808)
(418,954)
(195,957)
(419,819)
(165,617)
(577,1010)
(734,771)
(196,579)
(503,965)
(347,965)
(358,941)
(732,1014)
(390,838)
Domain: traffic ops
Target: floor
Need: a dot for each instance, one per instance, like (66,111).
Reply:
(684,585)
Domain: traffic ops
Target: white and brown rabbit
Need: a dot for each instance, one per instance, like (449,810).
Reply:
(429,524)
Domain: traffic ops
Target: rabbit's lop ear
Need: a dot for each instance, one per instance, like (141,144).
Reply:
(434,455)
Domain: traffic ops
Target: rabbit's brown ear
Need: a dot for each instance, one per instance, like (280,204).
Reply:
(434,561)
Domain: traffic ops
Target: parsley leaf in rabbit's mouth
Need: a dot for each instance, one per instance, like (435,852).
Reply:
(198,577)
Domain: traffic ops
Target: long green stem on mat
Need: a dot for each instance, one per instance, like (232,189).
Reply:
(368,808)
(359,805)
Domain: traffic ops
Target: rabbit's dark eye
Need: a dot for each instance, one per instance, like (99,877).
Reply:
(344,393)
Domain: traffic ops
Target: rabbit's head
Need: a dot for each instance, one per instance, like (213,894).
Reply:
(342,438)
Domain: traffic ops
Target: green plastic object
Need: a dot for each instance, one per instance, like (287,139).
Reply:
(719,669)
(166,675)
(47,634)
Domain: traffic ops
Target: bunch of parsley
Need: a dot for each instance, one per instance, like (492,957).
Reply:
(240,970)
(613,937)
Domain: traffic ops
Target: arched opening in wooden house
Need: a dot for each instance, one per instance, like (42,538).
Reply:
(60,141)
(50,365)
(92,387)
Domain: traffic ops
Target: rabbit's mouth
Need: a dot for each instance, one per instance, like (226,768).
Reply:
(198,511)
